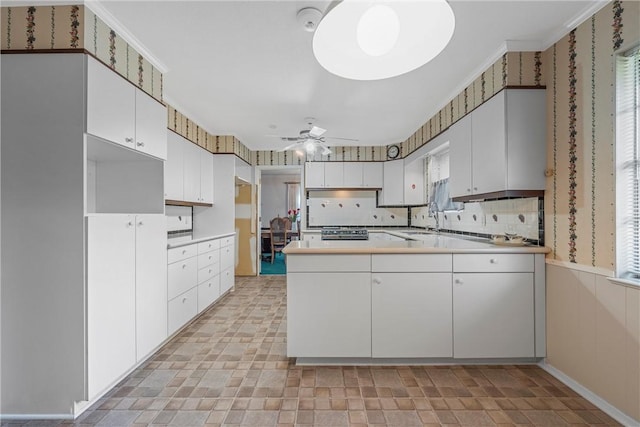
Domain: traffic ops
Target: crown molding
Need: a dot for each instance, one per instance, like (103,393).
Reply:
(568,26)
(98,8)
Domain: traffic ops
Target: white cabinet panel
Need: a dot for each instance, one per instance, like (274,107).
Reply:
(226,280)
(182,309)
(151,125)
(411,315)
(493,315)
(151,283)
(372,174)
(182,276)
(206,273)
(110,105)
(174,168)
(322,263)
(334,175)
(209,258)
(493,263)
(352,175)
(414,180)
(489,158)
(227,257)
(208,292)
(209,245)
(329,314)
(410,262)
(191,172)
(460,174)
(111,297)
(314,174)
(206,176)
(393,183)
(180,253)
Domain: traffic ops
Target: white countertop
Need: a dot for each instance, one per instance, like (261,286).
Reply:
(428,243)
(189,239)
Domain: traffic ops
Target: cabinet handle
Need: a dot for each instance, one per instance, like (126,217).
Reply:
(493,261)
(210,257)
(140,223)
(377,280)
(475,188)
(130,223)
(209,270)
(184,266)
(128,139)
(184,300)
(468,190)
(140,144)
(209,284)
(458,282)
(184,251)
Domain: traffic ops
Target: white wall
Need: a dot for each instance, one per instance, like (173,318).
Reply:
(220,218)
(273,201)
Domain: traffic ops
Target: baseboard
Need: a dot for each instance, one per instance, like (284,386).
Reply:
(602,404)
(30,417)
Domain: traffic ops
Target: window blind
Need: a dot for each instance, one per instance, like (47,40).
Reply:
(628,165)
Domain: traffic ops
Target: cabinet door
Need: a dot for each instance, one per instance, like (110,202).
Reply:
(460,158)
(414,179)
(110,105)
(151,125)
(151,283)
(411,315)
(372,174)
(334,175)
(182,309)
(329,315)
(111,296)
(174,168)
(191,172)
(488,136)
(314,175)
(208,292)
(206,176)
(493,315)
(226,280)
(393,183)
(352,175)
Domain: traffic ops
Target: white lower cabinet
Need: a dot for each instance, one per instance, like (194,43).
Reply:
(181,309)
(411,315)
(493,315)
(329,314)
(126,294)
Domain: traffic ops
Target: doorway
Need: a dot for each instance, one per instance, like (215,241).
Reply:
(279,195)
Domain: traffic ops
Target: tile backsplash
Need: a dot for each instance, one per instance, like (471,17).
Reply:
(517,216)
(351,208)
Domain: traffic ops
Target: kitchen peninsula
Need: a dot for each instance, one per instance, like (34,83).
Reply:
(437,298)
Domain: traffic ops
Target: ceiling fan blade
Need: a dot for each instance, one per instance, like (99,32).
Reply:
(342,139)
(316,131)
(325,150)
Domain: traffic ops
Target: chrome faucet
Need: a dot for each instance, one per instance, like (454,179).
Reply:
(433,212)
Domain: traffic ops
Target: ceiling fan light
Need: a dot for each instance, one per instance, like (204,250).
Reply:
(299,153)
(310,147)
(348,44)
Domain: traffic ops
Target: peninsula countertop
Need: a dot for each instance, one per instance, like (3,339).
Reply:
(425,243)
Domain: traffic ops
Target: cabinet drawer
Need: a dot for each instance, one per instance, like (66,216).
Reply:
(182,276)
(208,292)
(208,258)
(227,257)
(226,241)
(323,263)
(409,263)
(209,245)
(183,252)
(208,272)
(181,309)
(483,263)
(226,280)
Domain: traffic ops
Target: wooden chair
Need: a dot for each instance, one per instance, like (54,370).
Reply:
(278,233)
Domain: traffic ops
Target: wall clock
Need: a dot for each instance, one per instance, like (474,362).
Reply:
(393,151)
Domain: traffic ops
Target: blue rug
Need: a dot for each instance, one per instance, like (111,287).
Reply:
(278,266)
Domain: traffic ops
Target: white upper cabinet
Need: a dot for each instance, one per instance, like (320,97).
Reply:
(501,146)
(372,174)
(191,164)
(352,175)
(119,112)
(334,175)
(173,167)
(414,180)
(314,174)
(393,183)
(460,179)
(151,126)
(111,105)
(206,176)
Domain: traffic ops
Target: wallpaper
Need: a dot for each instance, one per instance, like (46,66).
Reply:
(580,196)
(76,28)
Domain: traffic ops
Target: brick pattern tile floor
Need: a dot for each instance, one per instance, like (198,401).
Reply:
(229,367)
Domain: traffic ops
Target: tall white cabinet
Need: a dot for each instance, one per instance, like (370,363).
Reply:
(82,171)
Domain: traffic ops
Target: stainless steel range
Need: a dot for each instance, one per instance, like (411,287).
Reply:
(344,234)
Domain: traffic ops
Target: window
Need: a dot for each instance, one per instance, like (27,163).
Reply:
(628,166)
(437,177)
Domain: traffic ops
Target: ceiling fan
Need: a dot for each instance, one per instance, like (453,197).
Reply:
(309,140)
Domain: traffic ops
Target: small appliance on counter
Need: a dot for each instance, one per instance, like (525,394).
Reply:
(338,233)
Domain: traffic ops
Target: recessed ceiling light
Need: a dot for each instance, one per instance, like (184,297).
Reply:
(372,40)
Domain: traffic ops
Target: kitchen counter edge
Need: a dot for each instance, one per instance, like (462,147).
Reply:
(171,245)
